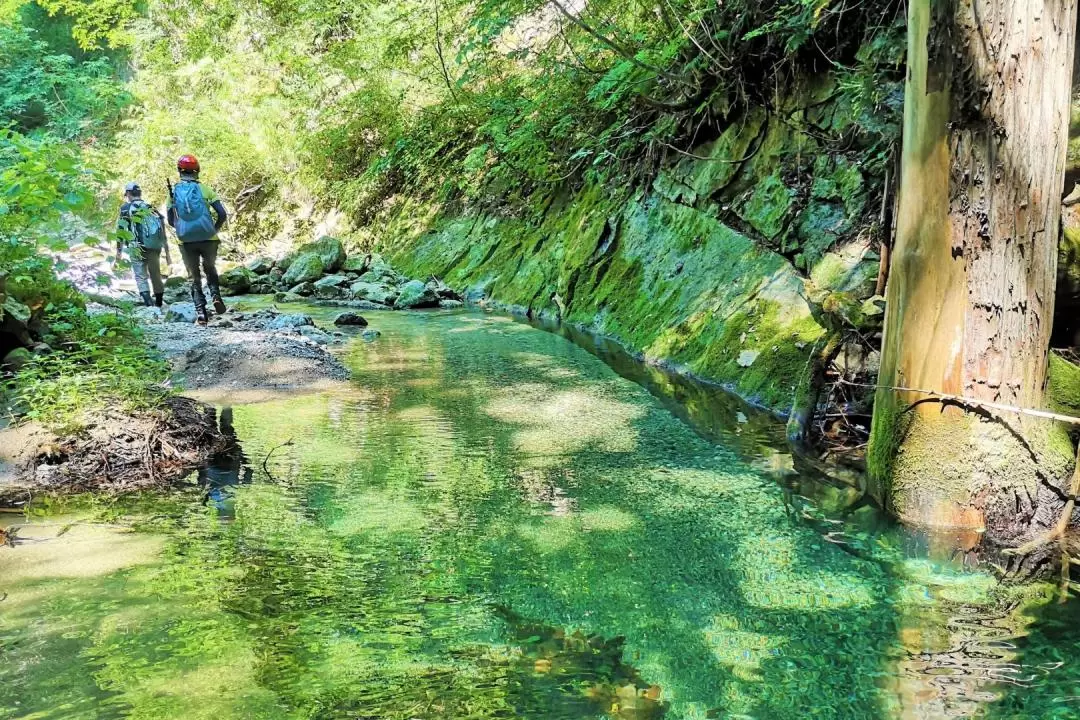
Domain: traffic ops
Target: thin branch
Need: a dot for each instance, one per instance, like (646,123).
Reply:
(969,402)
(624,52)
(439,52)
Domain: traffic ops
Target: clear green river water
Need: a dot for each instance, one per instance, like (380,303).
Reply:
(491,522)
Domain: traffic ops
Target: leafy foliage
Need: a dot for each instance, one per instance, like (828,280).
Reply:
(102,360)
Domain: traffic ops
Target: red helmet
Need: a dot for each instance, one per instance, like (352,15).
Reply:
(187,163)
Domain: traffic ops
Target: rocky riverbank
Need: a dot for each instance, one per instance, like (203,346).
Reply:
(323,271)
(239,357)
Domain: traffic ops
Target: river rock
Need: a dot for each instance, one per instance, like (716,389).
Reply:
(329,249)
(370,334)
(416,294)
(281,322)
(15,320)
(332,280)
(374,291)
(183,312)
(357,263)
(262,288)
(16,360)
(236,281)
(350,318)
(380,271)
(304,289)
(313,333)
(307,267)
(352,304)
(275,275)
(328,292)
(260,265)
(451,304)
(148,315)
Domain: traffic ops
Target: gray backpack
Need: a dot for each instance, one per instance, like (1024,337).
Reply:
(194,223)
(148,229)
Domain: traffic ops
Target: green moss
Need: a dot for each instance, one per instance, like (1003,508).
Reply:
(665,279)
(1063,386)
(766,210)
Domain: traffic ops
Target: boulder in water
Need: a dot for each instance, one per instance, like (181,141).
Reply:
(181,312)
(303,289)
(375,292)
(350,318)
(415,294)
(451,304)
(370,334)
(307,267)
(262,288)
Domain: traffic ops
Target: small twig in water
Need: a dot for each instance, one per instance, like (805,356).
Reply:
(267,458)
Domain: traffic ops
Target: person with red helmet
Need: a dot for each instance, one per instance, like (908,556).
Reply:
(196,214)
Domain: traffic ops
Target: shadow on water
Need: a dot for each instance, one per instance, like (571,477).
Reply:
(496,525)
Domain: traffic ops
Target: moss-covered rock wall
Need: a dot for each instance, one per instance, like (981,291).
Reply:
(707,268)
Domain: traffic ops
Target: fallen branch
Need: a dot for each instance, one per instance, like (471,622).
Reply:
(969,402)
(267,458)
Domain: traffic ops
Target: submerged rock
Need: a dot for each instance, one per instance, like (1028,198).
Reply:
(370,334)
(451,304)
(350,318)
(415,294)
(288,297)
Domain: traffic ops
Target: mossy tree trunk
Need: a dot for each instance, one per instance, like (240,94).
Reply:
(971,290)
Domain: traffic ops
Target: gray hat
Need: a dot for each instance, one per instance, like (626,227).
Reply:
(132,188)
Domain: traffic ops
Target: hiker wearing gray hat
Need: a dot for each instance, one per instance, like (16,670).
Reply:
(141,229)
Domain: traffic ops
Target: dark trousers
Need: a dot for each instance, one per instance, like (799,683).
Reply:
(199,258)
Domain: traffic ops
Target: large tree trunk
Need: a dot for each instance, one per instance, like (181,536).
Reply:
(971,290)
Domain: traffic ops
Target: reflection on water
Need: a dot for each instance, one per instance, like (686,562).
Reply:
(225,469)
(495,524)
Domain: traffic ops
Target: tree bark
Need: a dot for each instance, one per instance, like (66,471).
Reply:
(971,290)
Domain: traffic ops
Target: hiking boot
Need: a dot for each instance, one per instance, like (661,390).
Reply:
(219,306)
(200,316)
(159,299)
(145,295)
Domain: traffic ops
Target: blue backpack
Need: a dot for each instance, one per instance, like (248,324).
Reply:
(148,229)
(194,223)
